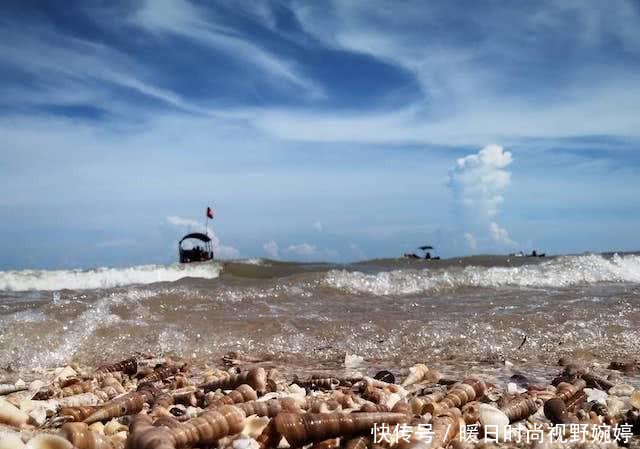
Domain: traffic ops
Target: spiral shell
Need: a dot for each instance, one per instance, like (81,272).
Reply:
(79,413)
(205,429)
(556,410)
(11,415)
(78,388)
(83,438)
(269,408)
(327,383)
(159,374)
(416,374)
(461,393)
(357,443)
(300,429)
(128,404)
(243,393)
(418,404)
(256,378)
(520,408)
(445,427)
(128,366)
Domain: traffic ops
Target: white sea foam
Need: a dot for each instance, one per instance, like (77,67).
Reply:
(562,272)
(100,278)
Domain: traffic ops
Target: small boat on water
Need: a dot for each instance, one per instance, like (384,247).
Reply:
(197,246)
(196,249)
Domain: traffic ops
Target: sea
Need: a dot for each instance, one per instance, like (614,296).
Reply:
(496,314)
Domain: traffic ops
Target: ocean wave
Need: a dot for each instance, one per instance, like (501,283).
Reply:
(561,272)
(101,278)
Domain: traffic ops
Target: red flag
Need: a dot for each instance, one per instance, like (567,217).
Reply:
(209,212)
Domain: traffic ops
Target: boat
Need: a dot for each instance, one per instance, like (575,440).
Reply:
(427,254)
(195,252)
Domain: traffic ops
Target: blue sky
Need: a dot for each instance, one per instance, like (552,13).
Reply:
(332,130)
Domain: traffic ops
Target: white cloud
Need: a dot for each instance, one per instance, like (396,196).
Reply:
(303,249)
(272,249)
(185,19)
(478,182)
(220,251)
(500,235)
(318,226)
(471,241)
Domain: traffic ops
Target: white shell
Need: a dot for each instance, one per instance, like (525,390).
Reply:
(494,422)
(353,361)
(114,426)
(593,394)
(38,415)
(621,390)
(12,415)
(10,440)
(49,441)
(416,374)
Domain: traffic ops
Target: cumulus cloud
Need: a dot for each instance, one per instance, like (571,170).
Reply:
(272,249)
(188,224)
(478,182)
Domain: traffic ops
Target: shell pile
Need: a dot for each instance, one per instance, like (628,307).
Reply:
(160,403)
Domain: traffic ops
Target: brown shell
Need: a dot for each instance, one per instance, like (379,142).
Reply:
(128,366)
(370,407)
(520,408)
(78,388)
(331,443)
(269,408)
(128,404)
(445,426)
(461,393)
(556,410)
(471,412)
(159,374)
(269,438)
(256,378)
(326,383)
(418,403)
(243,393)
(303,428)
(79,413)
(205,429)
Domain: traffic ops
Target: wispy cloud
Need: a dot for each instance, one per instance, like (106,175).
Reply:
(182,18)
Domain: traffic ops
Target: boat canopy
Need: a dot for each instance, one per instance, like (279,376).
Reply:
(198,236)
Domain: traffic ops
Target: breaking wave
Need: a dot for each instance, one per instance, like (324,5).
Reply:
(101,278)
(561,272)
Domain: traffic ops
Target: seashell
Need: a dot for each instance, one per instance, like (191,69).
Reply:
(160,374)
(128,404)
(566,390)
(63,373)
(275,380)
(416,374)
(269,408)
(520,408)
(357,443)
(205,429)
(370,407)
(385,376)
(445,427)
(471,412)
(615,406)
(243,393)
(36,385)
(79,413)
(513,388)
(161,404)
(596,395)
(84,438)
(418,403)
(113,427)
(11,415)
(38,416)
(78,400)
(621,390)
(128,366)
(635,399)
(495,422)
(256,378)
(595,381)
(12,388)
(243,442)
(328,383)
(461,393)
(402,406)
(254,425)
(97,427)
(11,441)
(49,441)
(299,429)
(78,388)
(556,411)
(269,437)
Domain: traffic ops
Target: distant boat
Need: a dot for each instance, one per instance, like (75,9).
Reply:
(197,252)
(427,254)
